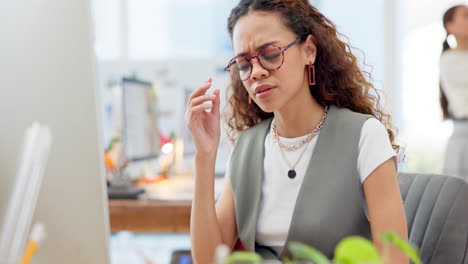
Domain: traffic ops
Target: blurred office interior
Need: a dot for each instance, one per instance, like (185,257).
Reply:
(178,44)
(168,48)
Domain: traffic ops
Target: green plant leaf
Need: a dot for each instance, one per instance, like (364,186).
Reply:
(354,250)
(300,251)
(244,257)
(409,250)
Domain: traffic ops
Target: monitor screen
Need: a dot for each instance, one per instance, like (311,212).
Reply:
(140,135)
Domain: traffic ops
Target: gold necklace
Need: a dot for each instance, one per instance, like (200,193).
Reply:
(306,141)
(292,171)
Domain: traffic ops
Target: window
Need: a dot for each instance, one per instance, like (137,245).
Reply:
(143,30)
(107,32)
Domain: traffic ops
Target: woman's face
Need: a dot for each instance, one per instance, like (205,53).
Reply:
(459,25)
(272,90)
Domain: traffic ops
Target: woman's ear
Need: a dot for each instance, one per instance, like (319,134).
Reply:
(449,27)
(310,48)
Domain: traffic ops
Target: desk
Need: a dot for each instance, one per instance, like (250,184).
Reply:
(168,214)
(147,216)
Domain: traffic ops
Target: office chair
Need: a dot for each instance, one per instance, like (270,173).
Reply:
(437,214)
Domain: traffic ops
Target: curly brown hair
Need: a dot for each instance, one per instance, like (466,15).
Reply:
(339,80)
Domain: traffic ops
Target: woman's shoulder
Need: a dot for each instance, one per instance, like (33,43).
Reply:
(373,126)
(347,111)
(348,117)
(453,65)
(254,131)
(374,136)
(454,56)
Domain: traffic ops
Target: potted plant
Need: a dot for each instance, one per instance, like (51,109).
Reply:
(350,250)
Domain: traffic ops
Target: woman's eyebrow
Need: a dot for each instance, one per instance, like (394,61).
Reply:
(259,48)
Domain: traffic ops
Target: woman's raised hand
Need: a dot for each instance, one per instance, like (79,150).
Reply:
(203,120)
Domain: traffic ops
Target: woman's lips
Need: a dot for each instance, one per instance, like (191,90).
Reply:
(263,93)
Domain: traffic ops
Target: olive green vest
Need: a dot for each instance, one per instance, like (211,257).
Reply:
(329,204)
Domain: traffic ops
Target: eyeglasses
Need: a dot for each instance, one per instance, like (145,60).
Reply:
(270,57)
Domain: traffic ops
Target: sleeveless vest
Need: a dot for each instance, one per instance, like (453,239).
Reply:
(329,204)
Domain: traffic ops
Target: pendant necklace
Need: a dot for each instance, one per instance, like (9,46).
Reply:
(292,172)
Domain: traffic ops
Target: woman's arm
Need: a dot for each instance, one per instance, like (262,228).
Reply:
(226,214)
(210,226)
(385,208)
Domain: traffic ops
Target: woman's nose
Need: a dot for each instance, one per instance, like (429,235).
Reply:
(258,72)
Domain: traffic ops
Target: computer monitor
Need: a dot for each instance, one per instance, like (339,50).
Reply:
(47,74)
(140,135)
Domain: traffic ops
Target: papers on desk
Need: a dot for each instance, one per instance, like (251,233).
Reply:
(178,189)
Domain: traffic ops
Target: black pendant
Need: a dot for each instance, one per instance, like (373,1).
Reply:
(292,174)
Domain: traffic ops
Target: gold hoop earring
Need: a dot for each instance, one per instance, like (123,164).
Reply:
(250,100)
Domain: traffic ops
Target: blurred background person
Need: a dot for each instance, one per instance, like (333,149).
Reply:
(454,89)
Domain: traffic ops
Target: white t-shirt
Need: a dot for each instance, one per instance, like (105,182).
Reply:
(454,79)
(279,192)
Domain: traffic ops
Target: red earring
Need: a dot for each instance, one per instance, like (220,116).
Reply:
(250,100)
(311,74)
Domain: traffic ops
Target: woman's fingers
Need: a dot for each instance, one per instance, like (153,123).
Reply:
(196,105)
(201,99)
(200,91)
(216,103)
(198,109)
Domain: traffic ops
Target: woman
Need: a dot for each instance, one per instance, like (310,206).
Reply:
(454,90)
(312,162)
